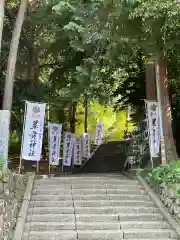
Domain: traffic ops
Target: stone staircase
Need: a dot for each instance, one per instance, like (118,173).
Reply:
(93,207)
(110,157)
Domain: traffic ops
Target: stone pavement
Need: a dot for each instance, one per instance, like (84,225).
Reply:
(93,207)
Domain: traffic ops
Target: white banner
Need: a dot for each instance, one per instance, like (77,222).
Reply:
(153,127)
(98,136)
(77,155)
(33,131)
(4,137)
(68,149)
(54,134)
(86,145)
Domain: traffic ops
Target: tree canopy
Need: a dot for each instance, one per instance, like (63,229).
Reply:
(76,50)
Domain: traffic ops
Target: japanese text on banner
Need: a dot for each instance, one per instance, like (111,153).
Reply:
(77,156)
(98,136)
(54,143)
(33,131)
(68,149)
(86,145)
(154,128)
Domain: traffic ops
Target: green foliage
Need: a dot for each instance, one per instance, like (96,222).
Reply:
(167,173)
(113,122)
(14,146)
(99,48)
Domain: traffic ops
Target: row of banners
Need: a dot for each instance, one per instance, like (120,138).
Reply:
(74,148)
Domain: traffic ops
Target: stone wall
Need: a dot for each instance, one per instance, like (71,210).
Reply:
(169,197)
(12,188)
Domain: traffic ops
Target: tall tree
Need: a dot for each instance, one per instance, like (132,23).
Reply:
(2,3)
(9,80)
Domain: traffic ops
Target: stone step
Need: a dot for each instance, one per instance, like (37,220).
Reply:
(89,181)
(52,192)
(97,217)
(125,191)
(97,225)
(121,203)
(117,175)
(100,176)
(125,196)
(140,217)
(149,233)
(49,226)
(136,209)
(91,210)
(54,226)
(107,186)
(85,186)
(100,197)
(134,203)
(72,235)
(51,198)
(91,175)
(82,210)
(71,217)
(50,218)
(144,225)
(53,186)
(51,235)
(93,196)
(51,210)
(48,204)
(100,234)
(85,191)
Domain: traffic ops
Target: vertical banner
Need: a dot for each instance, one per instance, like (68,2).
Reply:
(68,149)
(98,136)
(86,145)
(77,156)
(54,135)
(4,137)
(153,127)
(33,131)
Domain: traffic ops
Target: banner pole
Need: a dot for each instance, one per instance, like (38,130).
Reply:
(49,166)
(62,159)
(151,159)
(62,168)
(22,142)
(72,157)
(37,166)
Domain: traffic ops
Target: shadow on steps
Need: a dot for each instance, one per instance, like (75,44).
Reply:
(110,157)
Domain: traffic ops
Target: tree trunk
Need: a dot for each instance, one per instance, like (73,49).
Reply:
(9,80)
(170,148)
(2,5)
(151,93)
(2,2)
(150,82)
(72,117)
(85,113)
